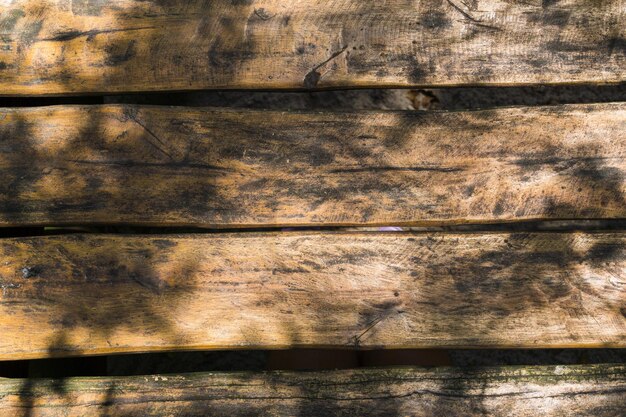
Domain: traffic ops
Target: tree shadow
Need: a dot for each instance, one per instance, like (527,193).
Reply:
(133,265)
(130,293)
(92,46)
(39,283)
(148,166)
(177,146)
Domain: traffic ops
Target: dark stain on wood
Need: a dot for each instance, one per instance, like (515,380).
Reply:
(147,165)
(311,79)
(117,56)
(616,44)
(436,20)
(437,289)
(548,3)
(230,45)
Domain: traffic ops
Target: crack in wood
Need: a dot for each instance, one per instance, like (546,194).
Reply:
(470,19)
(90,34)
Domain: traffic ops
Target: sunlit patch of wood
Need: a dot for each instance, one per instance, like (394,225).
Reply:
(240,168)
(91,294)
(64,47)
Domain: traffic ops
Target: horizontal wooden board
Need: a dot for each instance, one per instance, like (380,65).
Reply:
(68,47)
(100,294)
(591,390)
(221,168)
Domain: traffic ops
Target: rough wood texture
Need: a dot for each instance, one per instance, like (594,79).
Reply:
(219,168)
(91,294)
(63,46)
(564,391)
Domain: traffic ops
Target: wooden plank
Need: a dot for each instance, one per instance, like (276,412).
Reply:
(94,294)
(68,47)
(590,390)
(222,168)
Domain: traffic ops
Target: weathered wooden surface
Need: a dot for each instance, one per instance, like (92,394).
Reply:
(564,391)
(221,168)
(94,294)
(57,47)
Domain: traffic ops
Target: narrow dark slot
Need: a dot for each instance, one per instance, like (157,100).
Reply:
(298,359)
(456,98)
(516,227)
(465,98)
(49,101)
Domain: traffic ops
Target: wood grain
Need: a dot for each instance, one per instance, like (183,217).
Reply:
(100,294)
(564,391)
(222,168)
(69,47)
